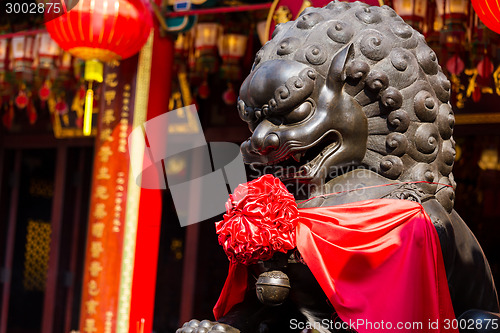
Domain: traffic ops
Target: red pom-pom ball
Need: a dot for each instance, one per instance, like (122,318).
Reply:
(260,220)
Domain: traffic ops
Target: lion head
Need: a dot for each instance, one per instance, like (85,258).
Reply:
(350,85)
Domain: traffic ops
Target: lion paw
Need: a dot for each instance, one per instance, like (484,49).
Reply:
(206,326)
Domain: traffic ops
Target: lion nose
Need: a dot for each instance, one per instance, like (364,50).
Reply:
(265,144)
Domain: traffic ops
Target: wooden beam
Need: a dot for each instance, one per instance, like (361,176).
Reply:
(23,33)
(221,10)
(477,118)
(77,219)
(56,226)
(43,141)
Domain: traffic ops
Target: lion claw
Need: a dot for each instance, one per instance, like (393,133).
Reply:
(206,326)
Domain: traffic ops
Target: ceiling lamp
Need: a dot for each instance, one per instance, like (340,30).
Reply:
(412,11)
(205,43)
(232,48)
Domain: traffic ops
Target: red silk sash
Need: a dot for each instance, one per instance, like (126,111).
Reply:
(378,261)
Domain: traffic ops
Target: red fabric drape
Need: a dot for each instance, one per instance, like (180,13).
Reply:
(378,261)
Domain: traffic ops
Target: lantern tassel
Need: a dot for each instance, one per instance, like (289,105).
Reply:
(93,72)
(87,117)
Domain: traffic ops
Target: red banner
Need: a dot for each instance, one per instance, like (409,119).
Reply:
(107,215)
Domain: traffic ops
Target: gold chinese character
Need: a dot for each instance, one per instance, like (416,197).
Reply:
(109,96)
(109,116)
(92,306)
(103,173)
(110,80)
(90,326)
(100,211)
(98,229)
(95,268)
(96,249)
(101,192)
(92,288)
(104,153)
(105,134)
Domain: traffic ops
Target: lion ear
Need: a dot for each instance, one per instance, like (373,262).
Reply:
(336,72)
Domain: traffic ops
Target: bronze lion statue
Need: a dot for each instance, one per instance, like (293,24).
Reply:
(351,97)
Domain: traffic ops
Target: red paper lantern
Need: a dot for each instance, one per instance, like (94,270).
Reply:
(488,12)
(103,30)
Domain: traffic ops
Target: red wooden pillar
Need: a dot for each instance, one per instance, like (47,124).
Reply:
(148,228)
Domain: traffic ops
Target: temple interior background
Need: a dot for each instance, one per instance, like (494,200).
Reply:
(48,166)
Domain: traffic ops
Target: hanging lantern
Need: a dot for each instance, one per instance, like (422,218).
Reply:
(22,48)
(182,47)
(48,51)
(232,48)
(100,31)
(489,13)
(454,16)
(452,12)
(4,44)
(205,43)
(412,11)
(65,61)
(452,8)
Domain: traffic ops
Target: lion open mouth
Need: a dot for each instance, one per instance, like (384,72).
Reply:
(301,163)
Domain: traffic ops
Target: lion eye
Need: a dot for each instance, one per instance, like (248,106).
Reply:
(300,113)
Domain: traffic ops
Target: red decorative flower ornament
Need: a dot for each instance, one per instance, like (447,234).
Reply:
(44,92)
(260,220)
(21,100)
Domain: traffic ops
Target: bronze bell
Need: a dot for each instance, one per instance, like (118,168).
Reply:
(273,287)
